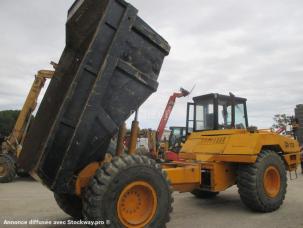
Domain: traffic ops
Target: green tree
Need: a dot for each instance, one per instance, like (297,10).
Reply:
(281,121)
(7,121)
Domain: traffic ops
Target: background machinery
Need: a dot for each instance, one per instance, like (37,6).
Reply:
(153,143)
(110,67)
(176,139)
(12,145)
(164,144)
(167,111)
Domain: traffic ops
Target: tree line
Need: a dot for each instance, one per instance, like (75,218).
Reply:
(7,121)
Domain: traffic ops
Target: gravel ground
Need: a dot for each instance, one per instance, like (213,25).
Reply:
(26,199)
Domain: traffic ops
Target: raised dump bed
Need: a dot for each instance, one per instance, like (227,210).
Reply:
(109,67)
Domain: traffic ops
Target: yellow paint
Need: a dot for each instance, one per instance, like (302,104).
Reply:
(227,158)
(272,181)
(219,153)
(183,177)
(137,204)
(293,160)
(235,145)
(133,137)
(85,176)
(223,175)
(87,173)
(218,157)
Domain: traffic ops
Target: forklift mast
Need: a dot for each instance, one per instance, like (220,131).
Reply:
(14,141)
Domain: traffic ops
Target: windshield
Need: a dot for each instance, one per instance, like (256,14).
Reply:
(225,116)
(177,132)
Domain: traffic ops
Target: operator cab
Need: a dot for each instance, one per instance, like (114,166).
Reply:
(176,137)
(216,112)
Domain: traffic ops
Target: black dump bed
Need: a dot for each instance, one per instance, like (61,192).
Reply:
(109,67)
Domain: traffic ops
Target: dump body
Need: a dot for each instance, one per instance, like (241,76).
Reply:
(109,67)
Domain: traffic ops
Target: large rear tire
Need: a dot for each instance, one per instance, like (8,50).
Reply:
(131,191)
(7,169)
(262,186)
(70,204)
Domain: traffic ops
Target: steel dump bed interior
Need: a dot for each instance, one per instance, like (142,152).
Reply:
(109,67)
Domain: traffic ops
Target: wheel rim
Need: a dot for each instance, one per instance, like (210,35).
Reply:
(137,204)
(272,181)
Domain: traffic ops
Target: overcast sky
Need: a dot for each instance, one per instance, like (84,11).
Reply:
(251,48)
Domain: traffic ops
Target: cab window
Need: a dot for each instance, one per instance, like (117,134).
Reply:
(240,121)
(204,117)
(224,116)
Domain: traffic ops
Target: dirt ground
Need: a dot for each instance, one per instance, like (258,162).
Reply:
(26,199)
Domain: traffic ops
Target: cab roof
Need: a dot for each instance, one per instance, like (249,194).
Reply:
(211,96)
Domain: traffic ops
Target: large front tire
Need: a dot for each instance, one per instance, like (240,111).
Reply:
(7,169)
(131,191)
(70,204)
(262,186)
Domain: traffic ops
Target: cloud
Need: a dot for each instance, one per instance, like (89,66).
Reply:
(251,48)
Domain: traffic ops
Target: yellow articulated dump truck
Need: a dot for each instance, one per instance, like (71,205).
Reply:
(109,67)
